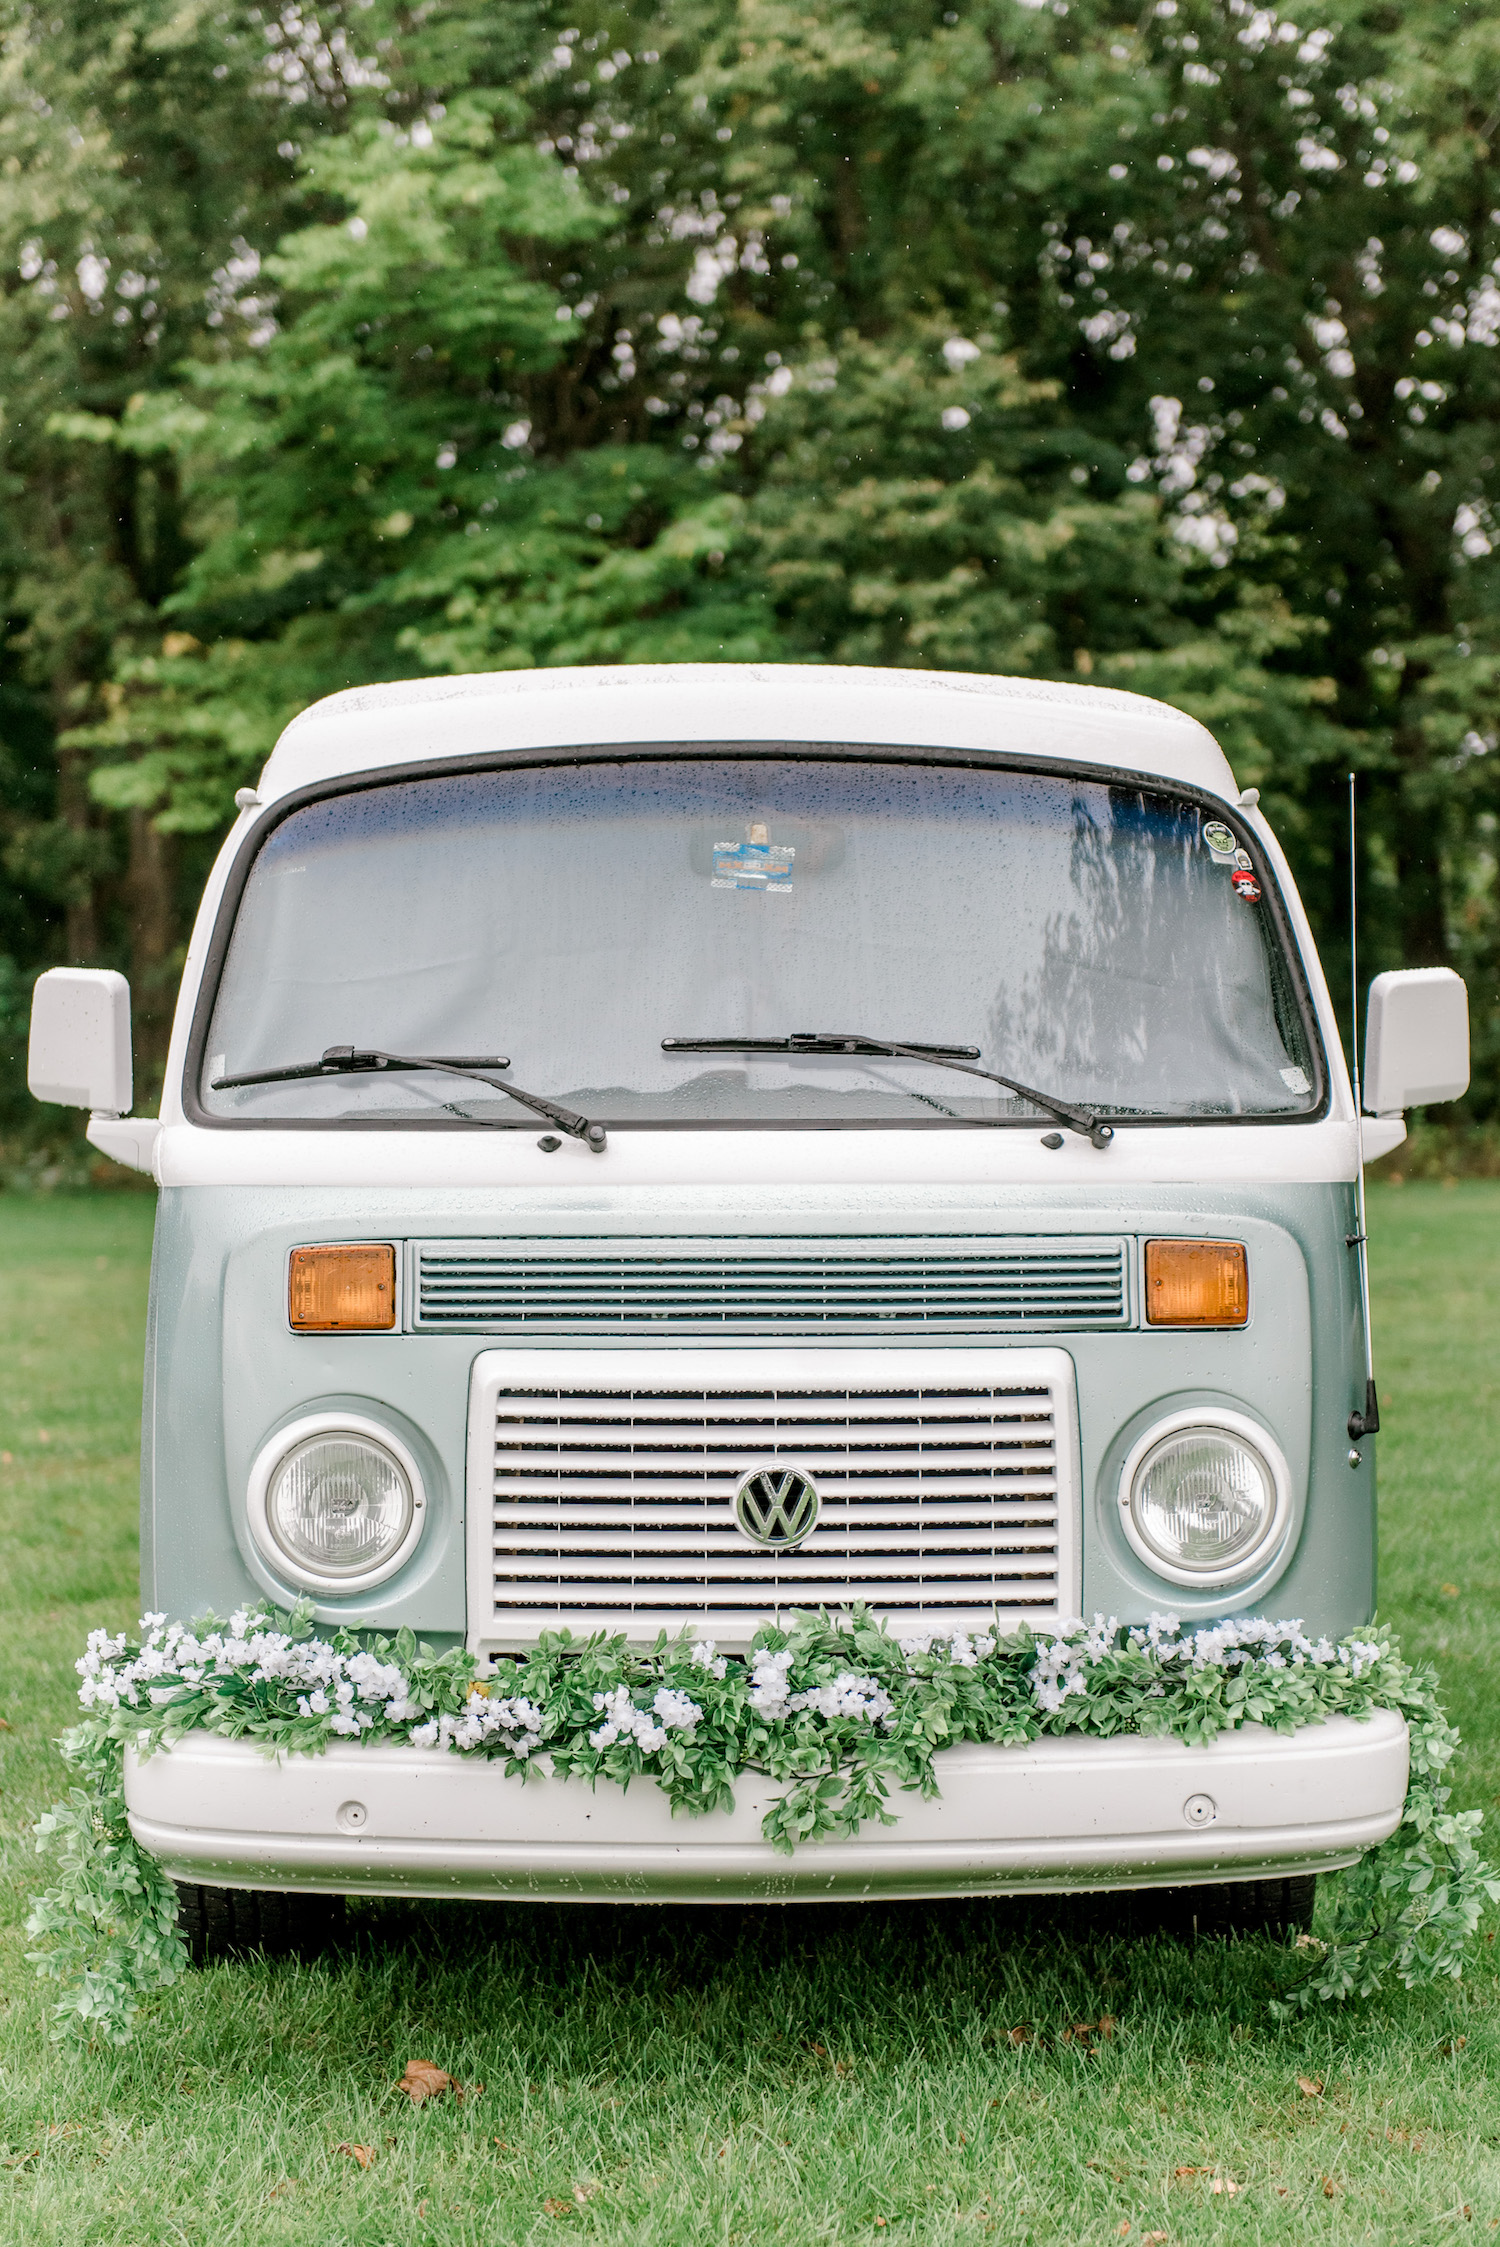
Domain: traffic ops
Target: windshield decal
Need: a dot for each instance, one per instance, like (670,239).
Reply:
(756,863)
(1220,840)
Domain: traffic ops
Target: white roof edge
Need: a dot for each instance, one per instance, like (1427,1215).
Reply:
(410,720)
(470,685)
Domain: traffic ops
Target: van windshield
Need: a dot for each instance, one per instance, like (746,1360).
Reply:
(1100,941)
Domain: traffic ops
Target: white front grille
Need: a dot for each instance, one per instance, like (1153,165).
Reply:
(602,1487)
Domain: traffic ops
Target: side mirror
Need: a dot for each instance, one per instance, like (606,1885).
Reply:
(79,1054)
(1416,1040)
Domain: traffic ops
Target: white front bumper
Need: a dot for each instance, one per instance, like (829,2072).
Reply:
(1058,1814)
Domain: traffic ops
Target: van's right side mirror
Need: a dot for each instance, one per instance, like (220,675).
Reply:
(1416,1040)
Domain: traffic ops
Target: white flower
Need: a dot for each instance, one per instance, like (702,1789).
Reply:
(676,1711)
(706,1657)
(375,1680)
(768,1683)
(849,1695)
(624,1721)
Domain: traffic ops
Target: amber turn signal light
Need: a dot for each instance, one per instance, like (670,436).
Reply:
(342,1290)
(1197,1283)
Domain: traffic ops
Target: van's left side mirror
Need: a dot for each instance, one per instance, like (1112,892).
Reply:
(1416,1040)
(79,1054)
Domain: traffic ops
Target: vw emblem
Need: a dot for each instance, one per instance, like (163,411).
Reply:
(776,1506)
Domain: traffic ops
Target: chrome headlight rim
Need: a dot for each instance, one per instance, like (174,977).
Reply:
(268,1546)
(1269,1546)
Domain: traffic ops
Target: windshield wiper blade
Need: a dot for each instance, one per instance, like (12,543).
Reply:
(1082,1120)
(348,1060)
(814,1041)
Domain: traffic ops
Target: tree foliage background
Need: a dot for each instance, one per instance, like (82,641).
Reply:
(1158,346)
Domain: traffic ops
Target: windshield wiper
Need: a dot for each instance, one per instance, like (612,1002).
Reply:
(1083,1120)
(348,1061)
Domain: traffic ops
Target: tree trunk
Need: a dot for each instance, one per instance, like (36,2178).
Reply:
(75,810)
(1419,841)
(149,902)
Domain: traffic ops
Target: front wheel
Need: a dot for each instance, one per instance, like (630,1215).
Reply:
(1280,1906)
(220,1923)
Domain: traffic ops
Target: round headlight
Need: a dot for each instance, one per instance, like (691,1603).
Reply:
(1205,1501)
(336,1507)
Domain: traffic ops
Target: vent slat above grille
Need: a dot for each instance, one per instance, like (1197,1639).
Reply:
(940,1284)
(601,1504)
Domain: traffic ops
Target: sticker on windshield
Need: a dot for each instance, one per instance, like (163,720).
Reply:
(1220,840)
(1246,886)
(756,863)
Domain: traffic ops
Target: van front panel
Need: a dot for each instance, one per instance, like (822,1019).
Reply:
(227,1373)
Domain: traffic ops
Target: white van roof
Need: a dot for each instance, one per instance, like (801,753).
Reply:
(483,712)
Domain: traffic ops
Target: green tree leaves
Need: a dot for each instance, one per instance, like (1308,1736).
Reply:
(1159,349)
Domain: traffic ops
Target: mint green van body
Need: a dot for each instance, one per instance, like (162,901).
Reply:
(725,1233)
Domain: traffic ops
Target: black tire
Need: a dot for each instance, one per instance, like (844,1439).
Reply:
(233,1922)
(1281,1906)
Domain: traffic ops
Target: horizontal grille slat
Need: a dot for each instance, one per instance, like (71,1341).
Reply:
(613,1507)
(899,1459)
(667,1568)
(907,1286)
(692,1519)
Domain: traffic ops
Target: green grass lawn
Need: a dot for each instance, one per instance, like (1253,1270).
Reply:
(815,2074)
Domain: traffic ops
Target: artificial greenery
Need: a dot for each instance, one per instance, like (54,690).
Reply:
(834,1709)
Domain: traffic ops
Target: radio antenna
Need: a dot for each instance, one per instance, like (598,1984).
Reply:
(1364,1423)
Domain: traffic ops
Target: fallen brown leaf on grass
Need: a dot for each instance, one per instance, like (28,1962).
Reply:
(583,2194)
(1451,2045)
(1311,2086)
(1226,2185)
(424,2081)
(1124,2231)
(1331,2190)
(1188,2169)
(364,2155)
(1153,2239)
(1023,2033)
(1087,2033)
(557,2207)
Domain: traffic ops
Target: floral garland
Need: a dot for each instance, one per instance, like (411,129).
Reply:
(835,1708)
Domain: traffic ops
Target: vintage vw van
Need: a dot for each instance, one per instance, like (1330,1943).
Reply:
(684,1144)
